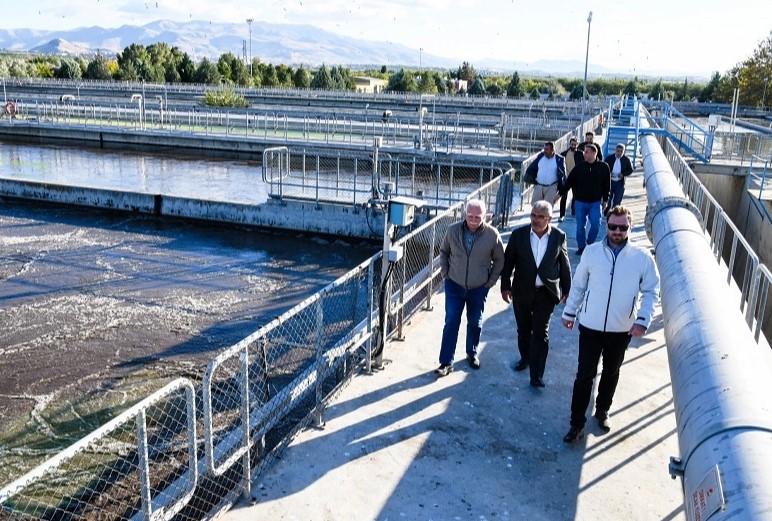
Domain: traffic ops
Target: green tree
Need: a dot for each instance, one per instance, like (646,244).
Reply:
(69,69)
(751,76)
(97,69)
(186,68)
(494,89)
(270,77)
(514,89)
(301,79)
(133,63)
(478,87)
(428,83)
(402,81)
(632,88)
(711,89)
(322,80)
(466,72)
(207,73)
(657,92)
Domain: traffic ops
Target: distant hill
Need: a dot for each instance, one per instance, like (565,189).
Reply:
(272,43)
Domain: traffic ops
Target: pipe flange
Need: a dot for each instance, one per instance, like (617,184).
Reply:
(669,202)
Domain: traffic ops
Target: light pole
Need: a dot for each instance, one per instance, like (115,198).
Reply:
(249,23)
(420,61)
(584,85)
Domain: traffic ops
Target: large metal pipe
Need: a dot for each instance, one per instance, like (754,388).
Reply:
(721,381)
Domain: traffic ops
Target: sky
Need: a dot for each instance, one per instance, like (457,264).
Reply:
(687,36)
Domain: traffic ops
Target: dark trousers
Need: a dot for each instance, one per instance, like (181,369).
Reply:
(532,314)
(617,192)
(563,200)
(592,345)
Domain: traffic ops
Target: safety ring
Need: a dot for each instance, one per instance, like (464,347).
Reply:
(10,108)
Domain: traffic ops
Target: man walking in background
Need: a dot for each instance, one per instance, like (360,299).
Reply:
(549,172)
(542,277)
(570,157)
(620,166)
(589,140)
(589,181)
(471,259)
(614,292)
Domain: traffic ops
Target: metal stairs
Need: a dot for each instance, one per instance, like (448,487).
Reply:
(624,127)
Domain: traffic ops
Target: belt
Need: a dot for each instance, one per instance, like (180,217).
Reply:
(548,184)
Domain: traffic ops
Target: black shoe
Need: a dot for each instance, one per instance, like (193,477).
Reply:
(521,365)
(574,434)
(443,370)
(474,361)
(603,421)
(580,251)
(537,382)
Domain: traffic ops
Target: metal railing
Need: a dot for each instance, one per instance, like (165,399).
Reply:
(729,247)
(349,178)
(191,449)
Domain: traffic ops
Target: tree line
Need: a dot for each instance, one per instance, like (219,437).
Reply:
(160,63)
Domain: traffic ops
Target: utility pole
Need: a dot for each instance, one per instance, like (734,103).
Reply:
(249,23)
(584,85)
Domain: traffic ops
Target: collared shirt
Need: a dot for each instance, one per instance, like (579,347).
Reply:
(469,237)
(616,172)
(548,171)
(618,249)
(538,247)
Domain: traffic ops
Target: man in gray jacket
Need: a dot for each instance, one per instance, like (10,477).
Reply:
(471,260)
(613,295)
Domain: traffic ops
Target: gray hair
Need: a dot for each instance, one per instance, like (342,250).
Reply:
(543,205)
(478,203)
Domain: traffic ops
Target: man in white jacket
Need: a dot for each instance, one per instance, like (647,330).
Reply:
(612,297)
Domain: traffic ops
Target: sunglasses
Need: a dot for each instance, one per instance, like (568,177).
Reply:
(620,227)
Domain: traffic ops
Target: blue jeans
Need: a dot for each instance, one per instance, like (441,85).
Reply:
(617,192)
(583,212)
(456,297)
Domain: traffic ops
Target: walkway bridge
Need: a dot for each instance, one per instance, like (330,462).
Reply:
(389,441)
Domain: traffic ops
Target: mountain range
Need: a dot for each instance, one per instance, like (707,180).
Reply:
(291,44)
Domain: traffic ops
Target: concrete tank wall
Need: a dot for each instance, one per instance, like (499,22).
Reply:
(301,216)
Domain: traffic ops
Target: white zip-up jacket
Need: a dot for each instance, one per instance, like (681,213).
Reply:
(609,293)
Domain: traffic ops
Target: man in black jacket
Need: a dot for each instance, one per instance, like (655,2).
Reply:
(620,166)
(589,140)
(590,181)
(542,278)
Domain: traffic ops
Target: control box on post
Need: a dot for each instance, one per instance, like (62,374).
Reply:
(402,210)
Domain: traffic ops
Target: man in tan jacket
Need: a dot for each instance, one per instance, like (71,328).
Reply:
(471,260)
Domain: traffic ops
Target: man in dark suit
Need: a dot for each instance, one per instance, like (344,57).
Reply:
(542,277)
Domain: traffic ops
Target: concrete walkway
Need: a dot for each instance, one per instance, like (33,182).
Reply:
(483,445)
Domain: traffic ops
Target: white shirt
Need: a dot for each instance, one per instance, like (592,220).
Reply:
(616,172)
(547,173)
(538,247)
